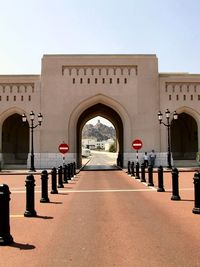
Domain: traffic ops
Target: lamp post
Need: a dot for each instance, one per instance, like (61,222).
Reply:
(32,127)
(168,125)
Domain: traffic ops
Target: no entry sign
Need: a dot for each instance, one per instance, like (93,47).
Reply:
(63,148)
(137,144)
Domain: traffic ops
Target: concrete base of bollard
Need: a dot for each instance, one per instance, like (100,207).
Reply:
(54,192)
(6,240)
(30,214)
(44,200)
(175,198)
(196,210)
(160,190)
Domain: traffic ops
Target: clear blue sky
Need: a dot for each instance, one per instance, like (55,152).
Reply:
(168,28)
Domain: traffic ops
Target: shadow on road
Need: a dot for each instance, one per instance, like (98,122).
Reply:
(22,246)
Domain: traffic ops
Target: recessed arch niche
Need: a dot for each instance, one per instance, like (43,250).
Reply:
(15,140)
(109,114)
(184,137)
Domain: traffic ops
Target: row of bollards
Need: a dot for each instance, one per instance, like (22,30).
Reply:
(142,176)
(135,171)
(175,182)
(64,174)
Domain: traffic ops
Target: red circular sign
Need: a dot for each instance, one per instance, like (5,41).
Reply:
(137,144)
(63,148)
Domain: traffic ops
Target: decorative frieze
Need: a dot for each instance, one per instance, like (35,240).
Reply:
(16,91)
(182,91)
(89,74)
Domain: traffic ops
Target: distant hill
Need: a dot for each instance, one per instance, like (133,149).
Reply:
(99,131)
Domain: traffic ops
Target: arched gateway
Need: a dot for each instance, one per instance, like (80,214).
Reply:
(126,89)
(108,113)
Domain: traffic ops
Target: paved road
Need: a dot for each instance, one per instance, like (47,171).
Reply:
(101,160)
(105,219)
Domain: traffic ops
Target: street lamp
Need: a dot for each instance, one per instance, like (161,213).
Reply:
(32,126)
(168,125)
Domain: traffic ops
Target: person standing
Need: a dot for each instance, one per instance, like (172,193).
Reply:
(152,157)
(146,160)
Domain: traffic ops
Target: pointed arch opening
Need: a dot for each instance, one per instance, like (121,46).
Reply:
(15,140)
(184,137)
(109,114)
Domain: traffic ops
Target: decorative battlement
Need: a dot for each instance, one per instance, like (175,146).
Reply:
(89,74)
(182,91)
(16,91)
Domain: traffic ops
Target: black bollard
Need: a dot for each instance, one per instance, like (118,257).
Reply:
(54,181)
(44,180)
(132,169)
(65,174)
(5,236)
(74,166)
(175,189)
(196,208)
(72,170)
(137,170)
(69,171)
(150,175)
(30,197)
(129,167)
(60,177)
(143,180)
(160,180)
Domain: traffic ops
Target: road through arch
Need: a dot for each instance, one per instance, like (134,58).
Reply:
(109,114)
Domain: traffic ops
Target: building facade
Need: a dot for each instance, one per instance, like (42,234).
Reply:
(127,90)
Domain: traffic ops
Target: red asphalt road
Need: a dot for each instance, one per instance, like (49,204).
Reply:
(104,218)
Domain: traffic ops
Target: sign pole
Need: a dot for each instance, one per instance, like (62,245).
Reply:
(63,160)
(63,148)
(137,145)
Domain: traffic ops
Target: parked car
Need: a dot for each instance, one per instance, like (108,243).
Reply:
(86,152)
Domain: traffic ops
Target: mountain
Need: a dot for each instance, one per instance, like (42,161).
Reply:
(99,131)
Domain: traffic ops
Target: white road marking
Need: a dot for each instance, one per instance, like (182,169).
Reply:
(16,216)
(149,189)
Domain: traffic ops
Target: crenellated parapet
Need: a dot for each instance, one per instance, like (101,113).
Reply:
(181,89)
(19,89)
(16,91)
(99,74)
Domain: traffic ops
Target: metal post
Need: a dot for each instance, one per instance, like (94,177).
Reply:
(32,149)
(74,166)
(69,171)
(137,170)
(175,187)
(129,167)
(143,173)
(54,181)
(169,146)
(196,208)
(72,170)
(160,180)
(132,169)
(65,174)
(60,177)
(24,119)
(5,236)
(150,175)
(30,197)
(44,180)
